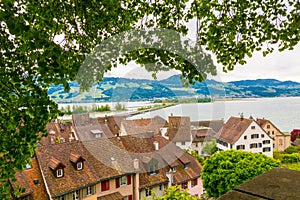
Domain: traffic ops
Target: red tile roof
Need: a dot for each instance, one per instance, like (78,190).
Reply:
(31,179)
(144,125)
(72,178)
(263,122)
(233,129)
(86,127)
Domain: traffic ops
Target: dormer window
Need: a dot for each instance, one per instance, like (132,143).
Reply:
(151,165)
(79,166)
(186,166)
(77,161)
(174,169)
(57,167)
(59,173)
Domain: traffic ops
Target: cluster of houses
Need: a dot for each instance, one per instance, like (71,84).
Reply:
(116,158)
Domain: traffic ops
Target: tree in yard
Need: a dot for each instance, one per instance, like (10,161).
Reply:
(210,147)
(176,193)
(33,56)
(227,169)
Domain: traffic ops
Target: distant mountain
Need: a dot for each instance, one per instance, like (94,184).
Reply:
(124,89)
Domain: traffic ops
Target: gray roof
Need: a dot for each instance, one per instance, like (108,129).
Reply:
(278,183)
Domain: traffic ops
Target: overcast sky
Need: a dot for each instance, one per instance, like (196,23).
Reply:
(278,65)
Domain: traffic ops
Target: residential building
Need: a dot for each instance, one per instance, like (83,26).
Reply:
(281,140)
(127,167)
(87,128)
(135,126)
(72,172)
(179,131)
(278,183)
(244,134)
(214,125)
(200,137)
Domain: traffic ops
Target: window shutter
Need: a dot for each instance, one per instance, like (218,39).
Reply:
(196,181)
(117,182)
(130,197)
(128,180)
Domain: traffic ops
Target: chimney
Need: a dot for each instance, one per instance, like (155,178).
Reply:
(156,147)
(170,177)
(136,164)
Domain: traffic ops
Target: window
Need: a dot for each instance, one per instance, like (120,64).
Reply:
(184,185)
(148,192)
(266,149)
(105,185)
(61,198)
(245,137)
(153,167)
(266,141)
(280,142)
(238,147)
(259,145)
(262,135)
(273,133)
(75,195)
(222,143)
(28,166)
(253,145)
(59,173)
(182,143)
(268,126)
(127,197)
(252,127)
(160,187)
(174,169)
(123,180)
(89,190)
(253,136)
(194,182)
(79,166)
(186,166)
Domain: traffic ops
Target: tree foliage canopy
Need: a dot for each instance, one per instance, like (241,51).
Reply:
(176,193)
(33,57)
(227,169)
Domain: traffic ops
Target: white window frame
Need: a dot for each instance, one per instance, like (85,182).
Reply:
(59,173)
(89,190)
(79,165)
(123,180)
(75,195)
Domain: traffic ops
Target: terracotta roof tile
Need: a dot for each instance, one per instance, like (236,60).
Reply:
(90,128)
(136,126)
(263,122)
(72,178)
(31,179)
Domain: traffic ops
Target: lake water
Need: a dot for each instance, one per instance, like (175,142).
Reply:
(284,112)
